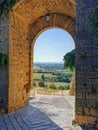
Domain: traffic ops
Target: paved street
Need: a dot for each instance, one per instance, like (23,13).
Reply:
(60,109)
(43,113)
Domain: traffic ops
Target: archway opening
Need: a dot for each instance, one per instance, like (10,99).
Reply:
(23,66)
(51,81)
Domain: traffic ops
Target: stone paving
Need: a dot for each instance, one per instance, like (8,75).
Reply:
(29,118)
(43,113)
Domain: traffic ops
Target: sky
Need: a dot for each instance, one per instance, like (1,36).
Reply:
(52,45)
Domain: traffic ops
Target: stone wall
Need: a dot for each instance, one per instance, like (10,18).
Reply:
(4,34)
(25,22)
(3,89)
(19,65)
(86,66)
(4,40)
(72,85)
(17,37)
(24,28)
(21,47)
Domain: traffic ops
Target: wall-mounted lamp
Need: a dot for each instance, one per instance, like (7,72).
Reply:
(47,17)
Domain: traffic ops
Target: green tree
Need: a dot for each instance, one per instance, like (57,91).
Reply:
(61,87)
(69,63)
(69,60)
(43,78)
(41,84)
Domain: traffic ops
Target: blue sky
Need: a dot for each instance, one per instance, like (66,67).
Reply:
(52,45)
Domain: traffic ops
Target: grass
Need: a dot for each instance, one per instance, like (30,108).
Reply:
(57,84)
(38,75)
(50,91)
(37,78)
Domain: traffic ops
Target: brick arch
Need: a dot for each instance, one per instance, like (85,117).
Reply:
(61,21)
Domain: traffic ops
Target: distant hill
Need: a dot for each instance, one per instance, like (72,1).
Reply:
(49,66)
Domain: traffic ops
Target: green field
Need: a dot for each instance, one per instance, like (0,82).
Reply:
(57,84)
(51,76)
(37,76)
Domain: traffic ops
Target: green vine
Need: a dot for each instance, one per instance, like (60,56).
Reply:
(94,23)
(6,6)
(3,60)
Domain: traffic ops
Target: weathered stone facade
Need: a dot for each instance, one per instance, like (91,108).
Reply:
(26,22)
(86,66)
(4,47)
(4,34)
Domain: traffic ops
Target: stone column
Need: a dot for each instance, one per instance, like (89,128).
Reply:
(86,66)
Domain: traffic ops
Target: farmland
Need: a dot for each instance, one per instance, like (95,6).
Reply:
(37,76)
(51,76)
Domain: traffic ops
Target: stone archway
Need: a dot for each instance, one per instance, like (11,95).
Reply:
(23,28)
(61,21)
(27,21)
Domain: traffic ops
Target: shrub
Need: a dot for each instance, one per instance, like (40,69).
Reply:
(52,86)
(41,84)
(67,87)
(61,88)
(34,84)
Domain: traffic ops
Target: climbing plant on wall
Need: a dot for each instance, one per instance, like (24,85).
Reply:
(3,60)
(94,23)
(6,6)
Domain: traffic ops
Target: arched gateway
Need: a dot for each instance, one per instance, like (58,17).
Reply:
(25,22)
